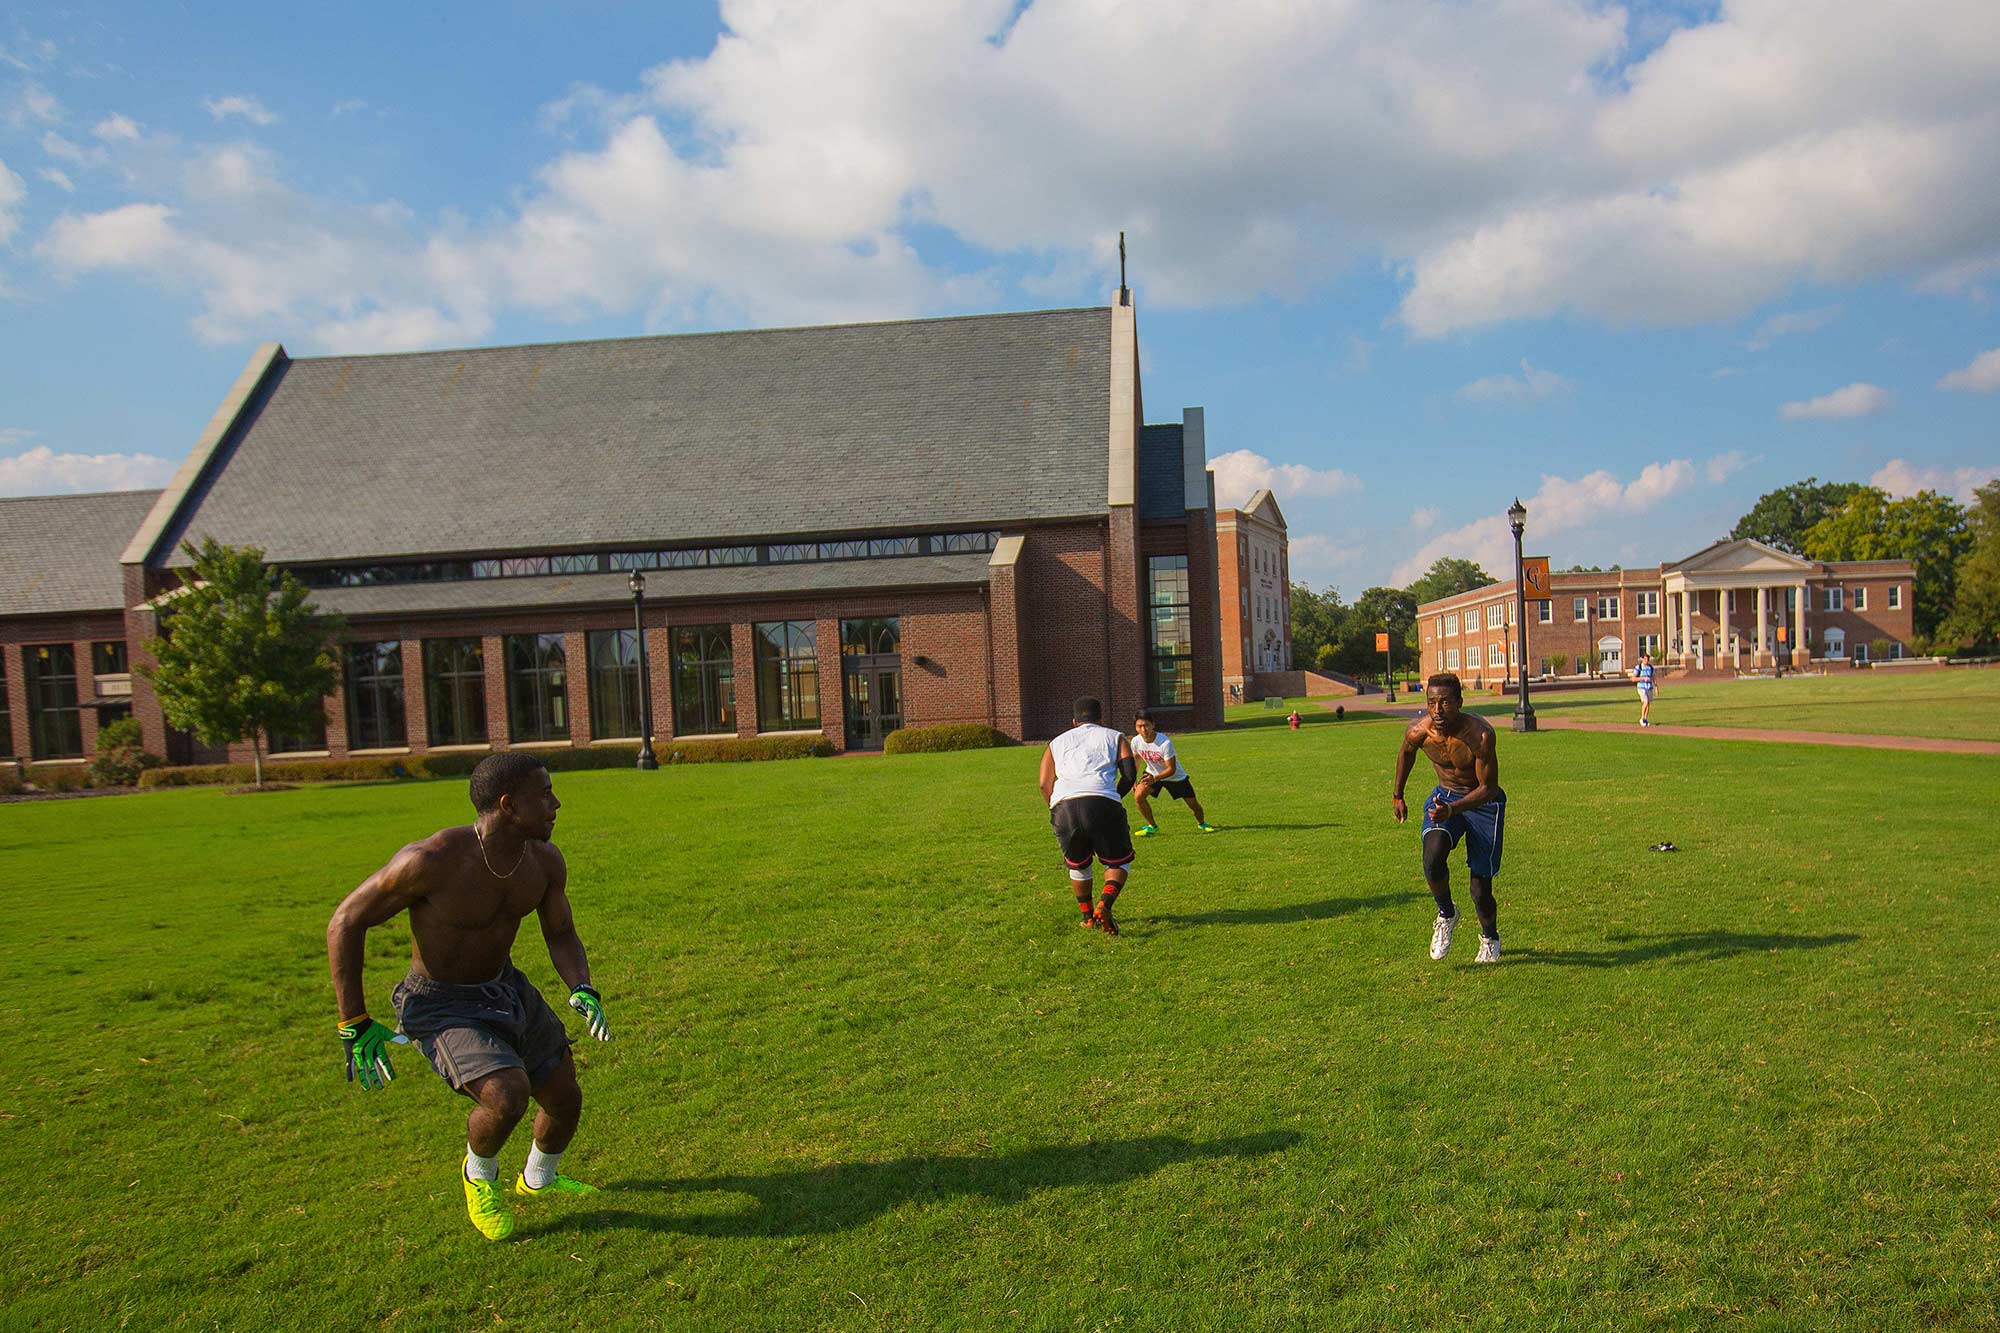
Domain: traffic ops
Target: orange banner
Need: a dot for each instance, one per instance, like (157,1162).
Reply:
(1535,577)
(1381,643)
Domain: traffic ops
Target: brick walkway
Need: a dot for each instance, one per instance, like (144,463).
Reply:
(1933,744)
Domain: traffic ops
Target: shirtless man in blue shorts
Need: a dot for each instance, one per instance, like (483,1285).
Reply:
(1467,803)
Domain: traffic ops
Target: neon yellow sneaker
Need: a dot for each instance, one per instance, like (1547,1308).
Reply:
(487,1207)
(560,1185)
(1145,831)
(1206,828)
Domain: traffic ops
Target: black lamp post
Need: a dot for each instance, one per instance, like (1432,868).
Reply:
(1524,712)
(646,760)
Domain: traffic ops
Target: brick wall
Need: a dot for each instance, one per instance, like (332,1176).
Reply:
(79,631)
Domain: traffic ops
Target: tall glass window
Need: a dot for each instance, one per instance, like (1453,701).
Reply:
(704,681)
(54,721)
(455,691)
(108,659)
(614,682)
(311,737)
(6,716)
(537,687)
(787,675)
(375,696)
(876,634)
(1170,669)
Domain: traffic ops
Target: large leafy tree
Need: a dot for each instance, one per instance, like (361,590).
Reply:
(1927,529)
(1376,610)
(1317,621)
(1782,517)
(1446,576)
(244,653)
(1975,613)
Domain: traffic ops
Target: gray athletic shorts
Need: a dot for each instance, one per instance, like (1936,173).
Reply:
(469,1032)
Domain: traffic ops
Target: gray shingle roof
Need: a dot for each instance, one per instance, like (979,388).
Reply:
(968,422)
(59,553)
(489,595)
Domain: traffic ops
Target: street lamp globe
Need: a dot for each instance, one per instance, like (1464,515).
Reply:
(1517,516)
(637,583)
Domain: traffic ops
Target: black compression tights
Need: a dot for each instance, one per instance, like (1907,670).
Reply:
(1437,874)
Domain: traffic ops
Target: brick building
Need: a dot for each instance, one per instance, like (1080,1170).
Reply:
(1718,610)
(64,657)
(1253,561)
(840,530)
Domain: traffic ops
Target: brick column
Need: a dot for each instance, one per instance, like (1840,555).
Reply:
(660,663)
(17,702)
(832,685)
(576,685)
(1003,622)
(741,641)
(1125,691)
(416,707)
(493,658)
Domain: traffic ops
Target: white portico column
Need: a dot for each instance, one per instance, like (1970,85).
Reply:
(1763,626)
(1687,625)
(1722,596)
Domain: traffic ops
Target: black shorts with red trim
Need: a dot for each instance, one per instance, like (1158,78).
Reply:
(1088,826)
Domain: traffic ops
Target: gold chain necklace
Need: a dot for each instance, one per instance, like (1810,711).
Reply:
(489,864)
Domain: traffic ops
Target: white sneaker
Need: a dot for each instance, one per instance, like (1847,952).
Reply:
(1489,949)
(1441,935)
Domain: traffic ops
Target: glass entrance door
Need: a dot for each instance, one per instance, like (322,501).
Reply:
(874,701)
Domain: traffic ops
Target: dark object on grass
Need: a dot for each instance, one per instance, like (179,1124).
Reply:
(1663,847)
(1340,712)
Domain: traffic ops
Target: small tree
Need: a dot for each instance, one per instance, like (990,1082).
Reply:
(1878,649)
(1592,659)
(121,755)
(244,652)
(1558,662)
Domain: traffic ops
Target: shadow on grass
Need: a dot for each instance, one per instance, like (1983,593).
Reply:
(1693,946)
(1322,910)
(851,1194)
(1233,827)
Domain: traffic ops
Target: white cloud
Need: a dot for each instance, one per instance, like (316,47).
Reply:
(1856,400)
(1724,466)
(237,104)
(63,150)
(1499,157)
(116,129)
(1724,373)
(32,105)
(1315,558)
(1982,376)
(12,191)
(1790,323)
(42,471)
(1425,518)
(1531,386)
(1559,505)
(1901,477)
(1241,473)
(348,107)
(59,179)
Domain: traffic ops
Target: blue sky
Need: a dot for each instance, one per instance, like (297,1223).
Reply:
(1635,264)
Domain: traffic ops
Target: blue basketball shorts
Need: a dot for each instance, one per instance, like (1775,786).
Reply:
(1482,828)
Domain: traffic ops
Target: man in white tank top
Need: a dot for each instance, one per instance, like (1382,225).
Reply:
(1086,772)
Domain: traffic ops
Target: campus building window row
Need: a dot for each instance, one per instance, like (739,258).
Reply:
(612,562)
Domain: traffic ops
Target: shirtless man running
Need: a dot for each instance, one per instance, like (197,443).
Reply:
(1467,803)
(484,1027)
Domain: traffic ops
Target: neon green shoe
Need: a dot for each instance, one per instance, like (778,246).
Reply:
(1145,830)
(487,1207)
(1206,828)
(560,1185)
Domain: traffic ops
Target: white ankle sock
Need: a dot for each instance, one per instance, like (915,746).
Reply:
(541,1167)
(480,1168)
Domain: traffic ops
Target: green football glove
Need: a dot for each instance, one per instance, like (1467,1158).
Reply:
(586,1001)
(367,1044)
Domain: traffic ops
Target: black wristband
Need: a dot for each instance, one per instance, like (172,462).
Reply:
(586,989)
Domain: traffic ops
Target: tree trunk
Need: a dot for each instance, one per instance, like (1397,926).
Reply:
(257,752)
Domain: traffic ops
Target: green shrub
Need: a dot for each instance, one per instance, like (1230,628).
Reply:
(742,749)
(58,777)
(10,780)
(124,734)
(946,736)
(120,765)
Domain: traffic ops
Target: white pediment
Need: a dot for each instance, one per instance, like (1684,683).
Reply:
(1264,505)
(1744,556)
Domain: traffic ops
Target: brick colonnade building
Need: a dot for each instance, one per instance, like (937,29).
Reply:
(1718,610)
(64,657)
(1253,554)
(840,530)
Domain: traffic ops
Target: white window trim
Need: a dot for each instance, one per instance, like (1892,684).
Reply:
(1895,597)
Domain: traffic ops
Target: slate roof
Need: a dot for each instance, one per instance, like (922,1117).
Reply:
(973,422)
(59,553)
(480,596)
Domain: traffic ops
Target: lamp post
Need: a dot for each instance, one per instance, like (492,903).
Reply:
(646,760)
(1524,712)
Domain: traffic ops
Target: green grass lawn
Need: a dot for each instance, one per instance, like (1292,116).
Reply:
(1964,703)
(867,1073)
